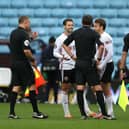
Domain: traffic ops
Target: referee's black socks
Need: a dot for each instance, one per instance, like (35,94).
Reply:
(80,100)
(13,98)
(33,101)
(100,100)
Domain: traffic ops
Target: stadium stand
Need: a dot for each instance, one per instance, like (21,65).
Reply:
(47,16)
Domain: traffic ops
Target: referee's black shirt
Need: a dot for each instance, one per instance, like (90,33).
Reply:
(19,40)
(85,42)
(126,43)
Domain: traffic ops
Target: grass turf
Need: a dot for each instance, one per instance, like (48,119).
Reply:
(56,119)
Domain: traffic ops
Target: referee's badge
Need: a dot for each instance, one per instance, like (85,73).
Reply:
(26,42)
(66,78)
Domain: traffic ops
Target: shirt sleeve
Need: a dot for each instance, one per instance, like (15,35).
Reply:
(97,39)
(57,49)
(126,43)
(26,42)
(69,39)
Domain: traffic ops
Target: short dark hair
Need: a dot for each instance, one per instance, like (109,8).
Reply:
(87,20)
(101,22)
(22,19)
(52,39)
(67,20)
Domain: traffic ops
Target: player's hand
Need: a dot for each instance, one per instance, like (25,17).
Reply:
(122,74)
(33,63)
(74,58)
(34,35)
(65,58)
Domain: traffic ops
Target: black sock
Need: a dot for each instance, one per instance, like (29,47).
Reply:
(33,101)
(81,102)
(100,100)
(13,98)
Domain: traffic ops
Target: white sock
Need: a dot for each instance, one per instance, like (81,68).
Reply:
(65,103)
(109,104)
(86,107)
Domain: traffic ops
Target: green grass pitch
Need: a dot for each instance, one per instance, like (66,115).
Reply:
(56,119)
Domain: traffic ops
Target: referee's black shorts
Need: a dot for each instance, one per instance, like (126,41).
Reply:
(107,76)
(86,72)
(22,74)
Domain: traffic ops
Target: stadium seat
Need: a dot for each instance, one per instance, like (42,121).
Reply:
(13,22)
(122,31)
(56,31)
(119,4)
(112,31)
(50,22)
(60,13)
(36,4)
(117,41)
(108,13)
(45,38)
(116,58)
(3,22)
(43,31)
(85,3)
(117,22)
(77,22)
(5,3)
(100,4)
(75,13)
(42,13)
(52,4)
(27,12)
(36,22)
(19,3)
(67,4)
(5,31)
(123,13)
(9,13)
(93,12)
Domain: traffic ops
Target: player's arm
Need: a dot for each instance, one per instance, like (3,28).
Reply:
(109,49)
(125,51)
(57,48)
(100,48)
(65,45)
(124,56)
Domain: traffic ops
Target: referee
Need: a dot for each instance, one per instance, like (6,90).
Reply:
(85,41)
(22,72)
(124,56)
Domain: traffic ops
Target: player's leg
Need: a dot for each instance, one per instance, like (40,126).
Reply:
(106,88)
(108,99)
(87,109)
(80,81)
(93,80)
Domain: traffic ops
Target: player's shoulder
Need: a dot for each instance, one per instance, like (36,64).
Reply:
(106,36)
(61,37)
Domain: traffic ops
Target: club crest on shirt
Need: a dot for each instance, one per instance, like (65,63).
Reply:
(26,42)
